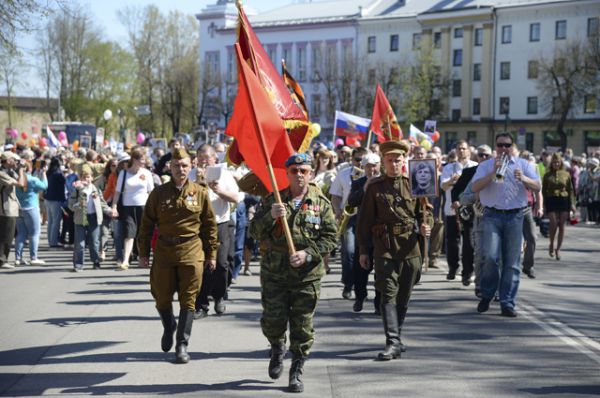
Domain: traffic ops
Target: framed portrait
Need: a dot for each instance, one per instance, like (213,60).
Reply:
(430,126)
(158,143)
(423,178)
(85,141)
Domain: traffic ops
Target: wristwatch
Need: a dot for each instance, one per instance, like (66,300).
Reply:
(308,258)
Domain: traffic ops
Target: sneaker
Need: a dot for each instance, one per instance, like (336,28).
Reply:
(122,267)
(483,305)
(247,272)
(37,261)
(77,268)
(233,281)
(96,265)
(219,306)
(18,262)
(508,312)
(201,313)
(7,266)
(102,255)
(358,305)
(347,294)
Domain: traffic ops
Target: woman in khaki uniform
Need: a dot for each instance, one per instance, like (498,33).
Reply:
(187,242)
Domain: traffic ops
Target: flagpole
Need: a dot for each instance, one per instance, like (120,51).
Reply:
(257,126)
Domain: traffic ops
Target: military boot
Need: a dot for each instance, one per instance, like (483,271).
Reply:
(392,334)
(296,371)
(401,316)
(169,327)
(184,330)
(276,362)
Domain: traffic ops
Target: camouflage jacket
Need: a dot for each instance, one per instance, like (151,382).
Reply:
(313,228)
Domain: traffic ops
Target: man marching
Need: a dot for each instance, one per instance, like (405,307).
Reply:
(187,242)
(390,221)
(291,282)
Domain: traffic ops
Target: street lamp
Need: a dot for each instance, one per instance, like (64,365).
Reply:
(121,127)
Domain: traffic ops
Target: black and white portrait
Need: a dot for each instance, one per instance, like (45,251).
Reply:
(423,178)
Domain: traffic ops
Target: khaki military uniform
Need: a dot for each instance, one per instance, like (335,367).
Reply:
(187,235)
(389,221)
(290,294)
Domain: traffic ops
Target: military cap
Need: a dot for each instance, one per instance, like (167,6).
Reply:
(396,147)
(180,153)
(299,159)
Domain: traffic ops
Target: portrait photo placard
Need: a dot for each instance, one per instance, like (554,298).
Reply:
(423,178)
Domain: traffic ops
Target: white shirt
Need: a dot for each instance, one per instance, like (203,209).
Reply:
(341,185)
(226,182)
(87,191)
(447,172)
(137,187)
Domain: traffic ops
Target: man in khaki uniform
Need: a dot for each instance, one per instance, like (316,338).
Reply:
(187,242)
(390,221)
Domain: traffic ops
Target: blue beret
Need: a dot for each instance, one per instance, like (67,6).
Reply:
(299,159)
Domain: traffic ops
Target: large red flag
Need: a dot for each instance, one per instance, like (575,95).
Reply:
(260,64)
(384,123)
(259,132)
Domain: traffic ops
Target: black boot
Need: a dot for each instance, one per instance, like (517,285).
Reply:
(184,330)
(401,316)
(392,334)
(276,362)
(296,371)
(169,327)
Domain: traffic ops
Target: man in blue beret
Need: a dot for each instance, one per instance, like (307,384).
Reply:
(291,282)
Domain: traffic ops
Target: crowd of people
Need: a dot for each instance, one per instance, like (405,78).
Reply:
(358,202)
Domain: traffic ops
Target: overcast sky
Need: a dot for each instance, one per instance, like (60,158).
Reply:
(106,13)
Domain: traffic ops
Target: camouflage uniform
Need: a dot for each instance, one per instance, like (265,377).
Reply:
(290,294)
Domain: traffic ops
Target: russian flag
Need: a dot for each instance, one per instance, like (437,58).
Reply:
(52,138)
(348,125)
(417,135)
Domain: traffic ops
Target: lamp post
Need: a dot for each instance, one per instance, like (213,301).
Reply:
(121,127)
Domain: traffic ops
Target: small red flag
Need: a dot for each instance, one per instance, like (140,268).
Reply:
(258,129)
(384,123)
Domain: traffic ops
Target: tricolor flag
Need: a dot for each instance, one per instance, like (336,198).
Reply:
(417,135)
(52,140)
(353,127)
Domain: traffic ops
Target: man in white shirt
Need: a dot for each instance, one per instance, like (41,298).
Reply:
(339,190)
(223,190)
(454,228)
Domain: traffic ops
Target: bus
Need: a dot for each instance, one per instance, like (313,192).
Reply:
(76,131)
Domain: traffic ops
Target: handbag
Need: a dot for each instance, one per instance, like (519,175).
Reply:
(120,206)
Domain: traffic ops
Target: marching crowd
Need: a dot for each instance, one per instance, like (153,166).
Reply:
(355,201)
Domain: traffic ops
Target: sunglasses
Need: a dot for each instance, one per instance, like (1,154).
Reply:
(358,159)
(483,155)
(504,145)
(295,170)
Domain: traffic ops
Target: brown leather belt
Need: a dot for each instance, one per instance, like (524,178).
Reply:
(176,240)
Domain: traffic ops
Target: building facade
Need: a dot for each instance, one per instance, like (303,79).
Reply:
(486,51)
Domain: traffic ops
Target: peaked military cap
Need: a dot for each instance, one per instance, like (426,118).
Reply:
(396,147)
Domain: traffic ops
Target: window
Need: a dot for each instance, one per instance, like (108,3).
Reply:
(456,87)
(478,37)
(532,69)
(506,34)
(476,106)
(561,30)
(451,138)
(372,44)
(437,40)
(331,59)
(287,56)
(212,61)
(472,138)
(504,70)
(231,65)
(458,33)
(532,105)
(394,43)
(301,59)
(457,58)
(504,105)
(456,115)
(371,76)
(416,44)
(316,106)
(272,52)
(436,107)
(593,27)
(589,105)
(534,32)
(476,72)
(317,60)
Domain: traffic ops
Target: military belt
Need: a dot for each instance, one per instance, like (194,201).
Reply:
(176,240)
(400,228)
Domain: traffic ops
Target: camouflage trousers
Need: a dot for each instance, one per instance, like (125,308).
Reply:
(395,280)
(283,304)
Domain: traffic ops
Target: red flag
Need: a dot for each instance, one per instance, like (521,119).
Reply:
(384,123)
(258,129)
(254,53)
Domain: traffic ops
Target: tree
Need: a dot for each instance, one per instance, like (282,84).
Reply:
(11,66)
(564,79)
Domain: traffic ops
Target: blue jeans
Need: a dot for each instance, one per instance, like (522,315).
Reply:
(240,238)
(348,242)
(28,227)
(54,212)
(90,235)
(502,239)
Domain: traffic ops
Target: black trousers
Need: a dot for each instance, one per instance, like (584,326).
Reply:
(453,245)
(7,228)
(361,277)
(214,283)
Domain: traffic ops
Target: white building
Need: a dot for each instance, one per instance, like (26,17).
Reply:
(484,46)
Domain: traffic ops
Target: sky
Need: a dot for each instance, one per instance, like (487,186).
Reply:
(106,13)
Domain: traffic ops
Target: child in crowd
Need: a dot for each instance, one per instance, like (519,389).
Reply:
(88,206)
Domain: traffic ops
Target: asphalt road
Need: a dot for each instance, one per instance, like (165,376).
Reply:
(97,333)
